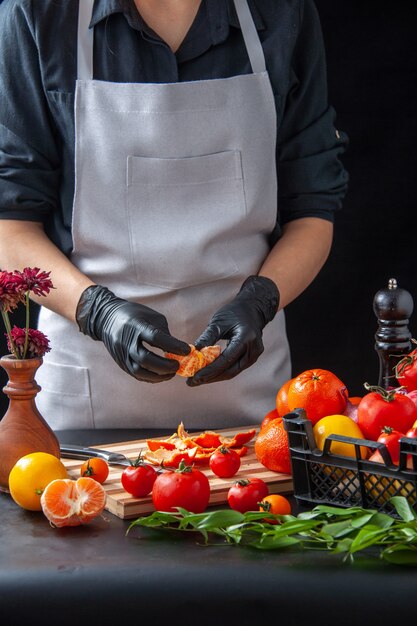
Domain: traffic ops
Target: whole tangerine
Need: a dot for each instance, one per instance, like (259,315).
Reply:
(271,415)
(319,392)
(272,449)
(282,398)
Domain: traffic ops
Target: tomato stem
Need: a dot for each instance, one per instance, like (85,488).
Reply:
(139,461)
(387,430)
(242,482)
(183,468)
(265,505)
(89,471)
(387,395)
(403,364)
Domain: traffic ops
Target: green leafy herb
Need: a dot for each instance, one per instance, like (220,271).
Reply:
(346,532)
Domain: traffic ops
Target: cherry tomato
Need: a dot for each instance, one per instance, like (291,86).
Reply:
(245,495)
(95,468)
(275,504)
(185,487)
(391,439)
(406,371)
(380,408)
(224,462)
(138,478)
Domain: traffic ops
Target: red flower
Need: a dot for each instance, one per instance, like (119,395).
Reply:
(32,279)
(15,287)
(38,343)
(10,292)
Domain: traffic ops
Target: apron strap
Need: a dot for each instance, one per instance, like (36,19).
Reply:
(85,40)
(250,36)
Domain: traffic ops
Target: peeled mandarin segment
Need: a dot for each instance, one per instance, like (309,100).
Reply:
(58,498)
(210,353)
(91,496)
(67,502)
(195,360)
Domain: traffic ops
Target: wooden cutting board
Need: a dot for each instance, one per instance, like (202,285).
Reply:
(125,506)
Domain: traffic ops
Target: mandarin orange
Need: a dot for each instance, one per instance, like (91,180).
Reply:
(272,449)
(282,398)
(195,360)
(276,504)
(67,502)
(271,415)
(319,392)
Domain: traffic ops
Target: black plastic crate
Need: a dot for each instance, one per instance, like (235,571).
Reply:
(320,477)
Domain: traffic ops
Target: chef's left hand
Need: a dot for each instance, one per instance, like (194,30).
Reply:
(241,322)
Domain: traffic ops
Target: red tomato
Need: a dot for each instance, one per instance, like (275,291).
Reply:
(95,468)
(391,439)
(412,433)
(380,408)
(138,479)
(224,462)
(413,396)
(406,371)
(185,487)
(246,494)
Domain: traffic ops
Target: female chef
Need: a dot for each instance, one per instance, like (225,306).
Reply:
(175,165)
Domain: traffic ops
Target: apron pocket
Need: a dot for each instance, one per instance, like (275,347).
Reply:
(182,214)
(64,400)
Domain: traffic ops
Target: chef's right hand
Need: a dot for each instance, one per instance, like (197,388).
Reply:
(123,327)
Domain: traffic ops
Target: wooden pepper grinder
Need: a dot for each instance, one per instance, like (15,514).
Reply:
(393,308)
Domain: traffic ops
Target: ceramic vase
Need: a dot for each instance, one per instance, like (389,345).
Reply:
(22,429)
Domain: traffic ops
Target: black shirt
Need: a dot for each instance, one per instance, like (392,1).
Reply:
(38,56)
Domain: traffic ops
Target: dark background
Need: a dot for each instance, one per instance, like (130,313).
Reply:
(372,73)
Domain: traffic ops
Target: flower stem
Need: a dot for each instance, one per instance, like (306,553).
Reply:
(8,327)
(27,304)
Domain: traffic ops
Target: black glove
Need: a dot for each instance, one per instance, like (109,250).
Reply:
(123,327)
(241,322)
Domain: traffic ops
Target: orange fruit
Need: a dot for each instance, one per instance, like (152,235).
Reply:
(96,468)
(68,502)
(30,475)
(195,360)
(339,425)
(272,415)
(272,449)
(282,398)
(275,504)
(319,392)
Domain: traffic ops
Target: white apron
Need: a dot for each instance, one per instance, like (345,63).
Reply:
(175,196)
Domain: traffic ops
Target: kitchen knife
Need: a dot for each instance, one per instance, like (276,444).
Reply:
(72,451)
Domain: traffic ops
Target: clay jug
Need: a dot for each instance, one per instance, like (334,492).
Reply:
(22,429)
